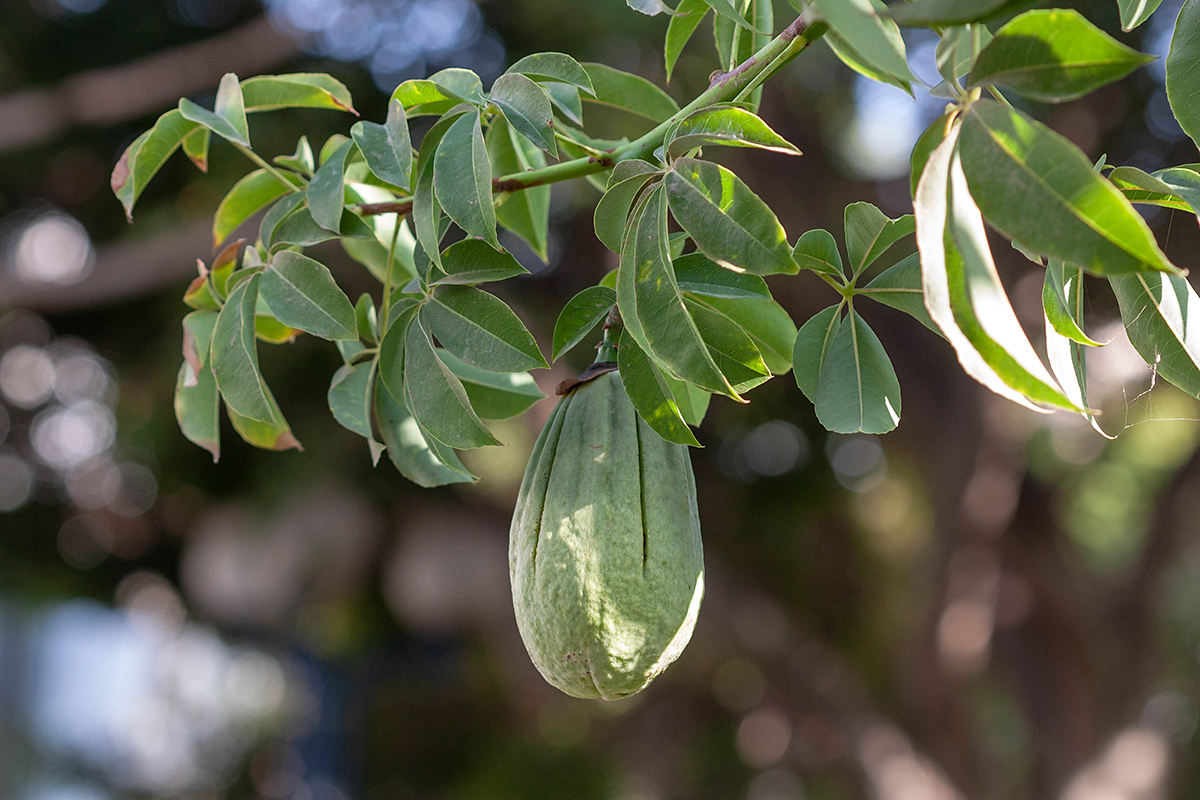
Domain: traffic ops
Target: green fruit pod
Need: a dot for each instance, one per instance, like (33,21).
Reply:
(604,557)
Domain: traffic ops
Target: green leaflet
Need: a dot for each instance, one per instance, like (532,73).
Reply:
(579,316)
(387,148)
(303,294)
(527,212)
(473,261)
(813,341)
(251,194)
(142,159)
(427,211)
(462,180)
(688,16)
(1035,186)
(876,39)
(415,454)
(1183,70)
(767,324)
(1139,187)
(482,330)
(855,61)
(228,117)
(527,108)
(612,212)
(327,189)
(461,83)
(1159,311)
(1135,12)
(731,348)
(494,395)
(1053,55)
(235,356)
(869,234)
(1062,302)
(899,286)
(296,90)
(349,397)
(437,398)
(195,147)
(697,274)
(857,390)
(650,394)
(301,160)
(817,250)
(726,125)
(197,408)
(554,68)
(728,222)
(651,305)
(926,13)
(632,93)
(262,434)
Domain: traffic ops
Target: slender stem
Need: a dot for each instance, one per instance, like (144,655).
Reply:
(725,87)
(257,159)
(385,307)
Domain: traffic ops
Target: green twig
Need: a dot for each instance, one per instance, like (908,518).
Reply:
(385,305)
(257,159)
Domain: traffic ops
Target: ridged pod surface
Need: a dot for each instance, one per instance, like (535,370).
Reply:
(604,553)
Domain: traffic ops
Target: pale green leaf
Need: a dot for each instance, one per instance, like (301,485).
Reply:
(302,294)
(146,155)
(767,324)
(527,108)
(296,90)
(1062,302)
(228,117)
(813,341)
(579,316)
(481,329)
(387,148)
(726,125)
(1158,313)
(251,194)
(876,39)
(650,394)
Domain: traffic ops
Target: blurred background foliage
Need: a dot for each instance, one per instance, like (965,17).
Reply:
(986,604)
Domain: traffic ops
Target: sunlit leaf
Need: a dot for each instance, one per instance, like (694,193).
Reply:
(146,155)
(813,341)
(869,234)
(874,38)
(731,349)
(1159,311)
(1062,301)
(647,388)
(726,125)
(251,194)
(767,324)
(1183,70)
(228,117)
(296,90)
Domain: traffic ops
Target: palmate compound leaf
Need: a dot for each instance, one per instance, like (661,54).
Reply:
(1053,55)
(1183,69)
(302,294)
(961,291)
(462,179)
(650,393)
(728,222)
(580,316)
(1162,317)
(869,234)
(651,305)
(857,390)
(1035,186)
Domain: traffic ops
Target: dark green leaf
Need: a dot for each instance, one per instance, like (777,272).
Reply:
(427,212)
(1183,70)
(526,106)
(927,13)
(857,390)
(580,315)
(327,189)
(899,286)
(876,39)
(1158,313)
(228,117)
(651,305)
(494,395)
(1053,55)
(732,350)
(687,18)
(303,294)
(697,274)
(474,261)
(726,125)
(555,68)
(650,394)
(692,400)
(297,90)
(299,228)
(461,83)
(817,250)
(813,341)
(1135,12)
(197,408)
(142,159)
(869,234)
(612,211)
(391,349)
(387,148)
(248,196)
(527,212)
(566,99)
(235,356)
(437,398)
(630,92)
(767,324)
(1036,186)
(366,319)
(462,179)
(863,66)
(728,222)
(416,455)
(480,329)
